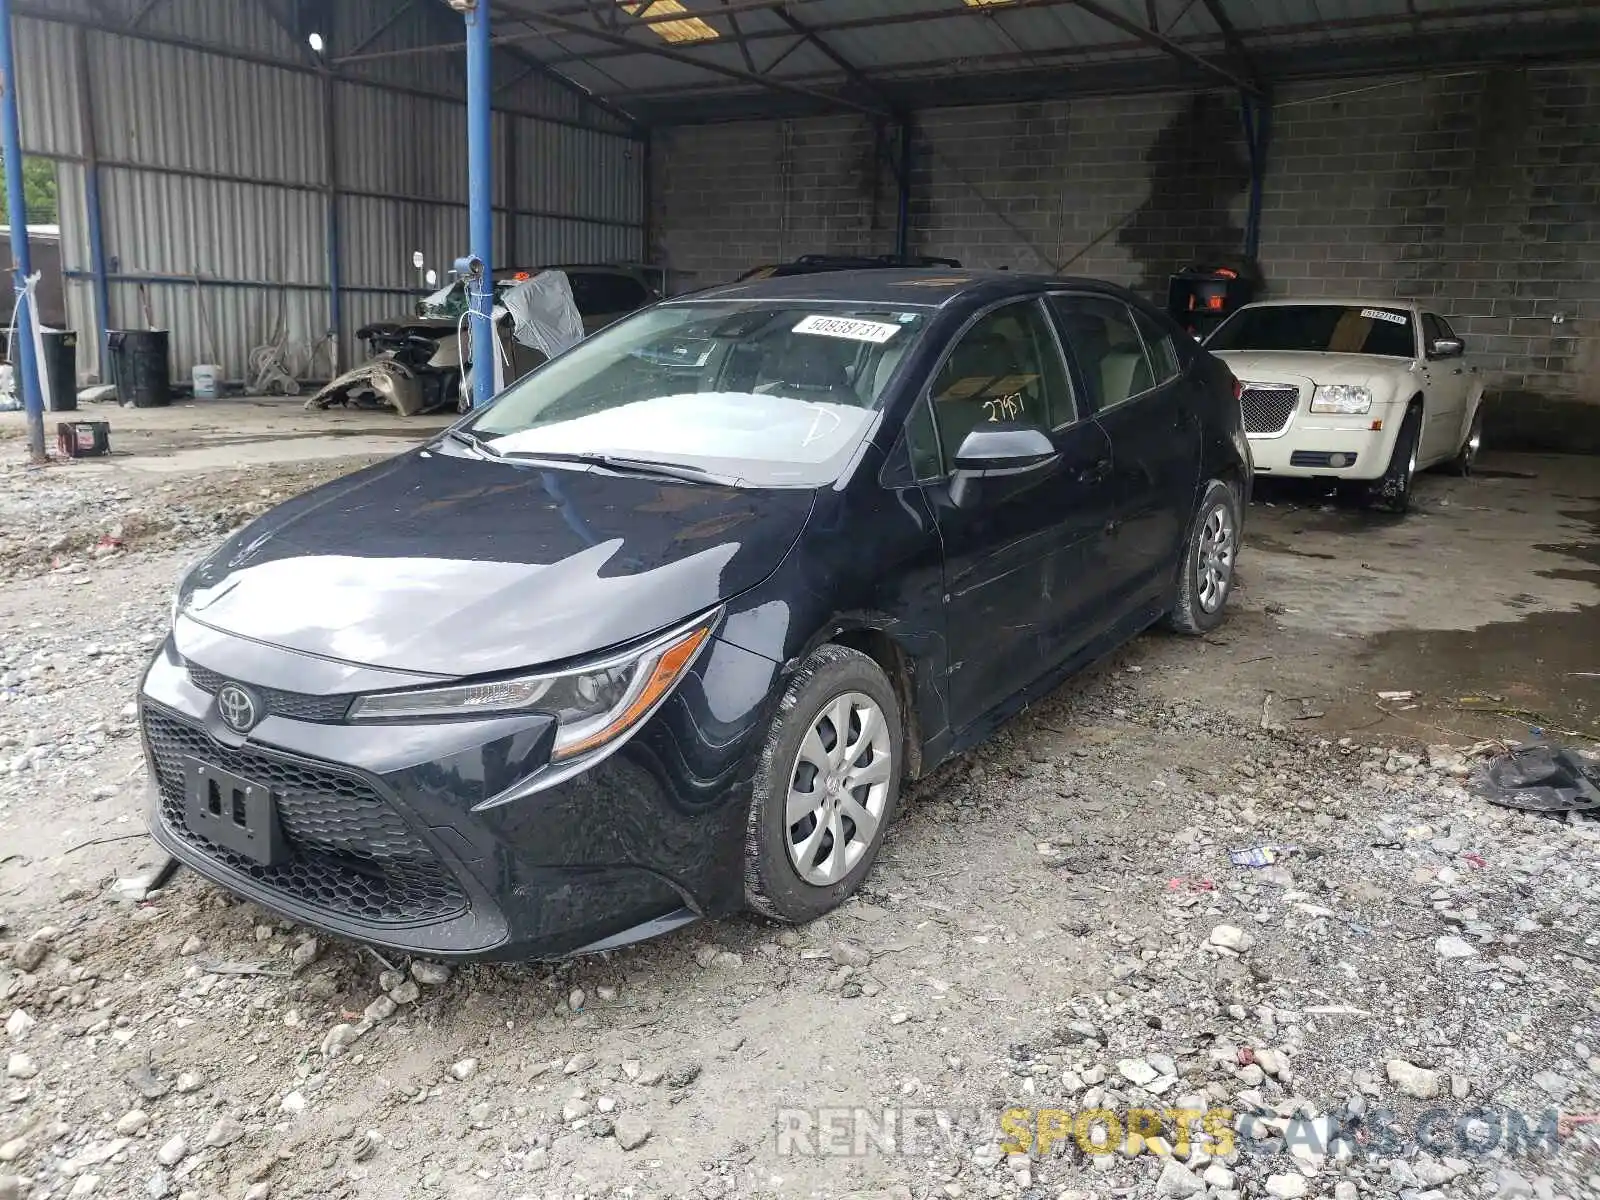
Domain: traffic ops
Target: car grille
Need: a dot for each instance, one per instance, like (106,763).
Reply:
(294,705)
(353,853)
(1267,408)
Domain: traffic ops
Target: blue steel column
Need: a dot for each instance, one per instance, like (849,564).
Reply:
(902,232)
(480,198)
(91,197)
(17,212)
(1256,115)
(330,168)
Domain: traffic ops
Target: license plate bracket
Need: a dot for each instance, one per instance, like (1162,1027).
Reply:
(237,814)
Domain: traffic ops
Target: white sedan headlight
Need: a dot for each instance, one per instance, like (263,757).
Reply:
(1341,398)
(595,704)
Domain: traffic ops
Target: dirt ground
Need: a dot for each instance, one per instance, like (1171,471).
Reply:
(1055,924)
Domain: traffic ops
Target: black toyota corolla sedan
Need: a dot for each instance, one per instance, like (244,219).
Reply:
(663,631)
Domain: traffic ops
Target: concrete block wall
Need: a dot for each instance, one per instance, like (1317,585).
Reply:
(731,197)
(1477,192)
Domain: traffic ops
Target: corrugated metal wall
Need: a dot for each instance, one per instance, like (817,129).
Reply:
(210,131)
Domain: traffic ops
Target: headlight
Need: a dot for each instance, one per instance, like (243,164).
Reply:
(594,704)
(178,589)
(1341,398)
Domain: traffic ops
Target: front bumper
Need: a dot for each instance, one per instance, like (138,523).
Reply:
(391,834)
(1327,446)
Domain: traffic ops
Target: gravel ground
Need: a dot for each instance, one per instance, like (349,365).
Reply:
(1055,926)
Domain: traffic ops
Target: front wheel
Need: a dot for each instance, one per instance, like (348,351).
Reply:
(1391,491)
(1467,457)
(826,787)
(1206,575)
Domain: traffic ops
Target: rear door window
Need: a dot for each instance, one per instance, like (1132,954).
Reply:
(1102,337)
(1160,346)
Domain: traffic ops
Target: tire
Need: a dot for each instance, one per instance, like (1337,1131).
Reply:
(831,681)
(1205,579)
(1467,456)
(1391,491)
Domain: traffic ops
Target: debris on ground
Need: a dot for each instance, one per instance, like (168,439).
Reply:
(1422,953)
(1540,778)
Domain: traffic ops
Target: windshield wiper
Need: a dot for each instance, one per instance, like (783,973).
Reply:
(623,464)
(472,441)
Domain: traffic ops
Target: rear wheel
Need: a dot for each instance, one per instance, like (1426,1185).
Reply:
(1391,491)
(1467,457)
(1206,575)
(826,787)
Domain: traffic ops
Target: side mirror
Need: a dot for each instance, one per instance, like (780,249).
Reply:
(999,457)
(1447,348)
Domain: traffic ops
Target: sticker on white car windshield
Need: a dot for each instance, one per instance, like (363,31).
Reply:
(848,327)
(1377,314)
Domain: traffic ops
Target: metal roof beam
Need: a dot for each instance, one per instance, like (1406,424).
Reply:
(145,9)
(1164,43)
(1230,37)
(851,72)
(607,17)
(738,36)
(562,25)
(999,79)
(577,89)
(384,26)
(851,23)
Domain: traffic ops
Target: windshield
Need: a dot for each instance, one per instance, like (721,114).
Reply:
(773,394)
(1322,328)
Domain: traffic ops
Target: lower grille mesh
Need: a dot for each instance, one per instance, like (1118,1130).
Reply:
(353,854)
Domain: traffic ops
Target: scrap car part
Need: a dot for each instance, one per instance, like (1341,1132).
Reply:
(1540,778)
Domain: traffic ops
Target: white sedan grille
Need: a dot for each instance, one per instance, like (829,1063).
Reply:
(1267,407)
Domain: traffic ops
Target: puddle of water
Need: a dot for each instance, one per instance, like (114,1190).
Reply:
(1545,666)
(1542,669)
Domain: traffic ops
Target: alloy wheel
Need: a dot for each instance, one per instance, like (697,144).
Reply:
(838,789)
(1218,546)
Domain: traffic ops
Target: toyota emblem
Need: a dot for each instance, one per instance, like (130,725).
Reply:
(237,708)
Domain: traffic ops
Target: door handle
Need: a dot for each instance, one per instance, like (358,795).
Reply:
(1098,473)
(1457,371)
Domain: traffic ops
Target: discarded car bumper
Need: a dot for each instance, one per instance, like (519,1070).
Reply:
(400,836)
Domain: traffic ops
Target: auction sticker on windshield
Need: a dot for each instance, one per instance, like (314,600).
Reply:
(1377,314)
(847,327)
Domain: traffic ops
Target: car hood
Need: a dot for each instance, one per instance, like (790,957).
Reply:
(453,566)
(1268,366)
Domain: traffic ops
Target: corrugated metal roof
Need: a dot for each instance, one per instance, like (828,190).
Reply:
(884,41)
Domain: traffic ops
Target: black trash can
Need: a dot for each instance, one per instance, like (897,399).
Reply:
(139,367)
(61,369)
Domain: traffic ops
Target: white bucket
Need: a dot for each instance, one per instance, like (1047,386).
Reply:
(207,381)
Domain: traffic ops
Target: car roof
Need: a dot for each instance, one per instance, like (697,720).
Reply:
(1336,302)
(926,287)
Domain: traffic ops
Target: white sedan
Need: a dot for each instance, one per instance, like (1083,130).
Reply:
(1369,391)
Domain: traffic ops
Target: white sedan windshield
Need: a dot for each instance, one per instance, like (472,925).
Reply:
(775,394)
